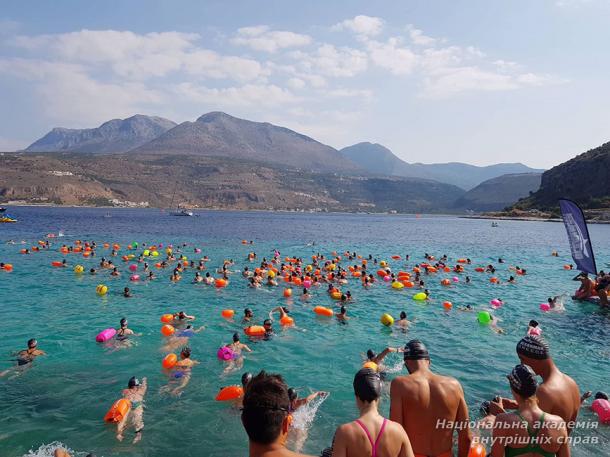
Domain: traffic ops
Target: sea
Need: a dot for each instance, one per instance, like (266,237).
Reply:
(61,400)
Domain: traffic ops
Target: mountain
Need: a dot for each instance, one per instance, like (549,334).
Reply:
(117,135)
(221,135)
(379,159)
(209,182)
(584,179)
(497,193)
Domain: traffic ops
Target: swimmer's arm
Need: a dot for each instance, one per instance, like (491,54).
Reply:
(464,433)
(144,385)
(385,352)
(200,329)
(246,348)
(395,402)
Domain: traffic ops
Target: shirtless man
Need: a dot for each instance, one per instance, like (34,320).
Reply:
(237,347)
(135,394)
(423,401)
(586,287)
(403,323)
(558,394)
(181,372)
(25,357)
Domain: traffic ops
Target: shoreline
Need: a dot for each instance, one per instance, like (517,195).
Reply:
(527,219)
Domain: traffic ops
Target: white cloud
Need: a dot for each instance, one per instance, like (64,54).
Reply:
(392,56)
(363,94)
(247,95)
(261,38)
(361,25)
(296,83)
(417,37)
(332,61)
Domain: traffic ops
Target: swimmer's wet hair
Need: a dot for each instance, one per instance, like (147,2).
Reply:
(367,385)
(266,404)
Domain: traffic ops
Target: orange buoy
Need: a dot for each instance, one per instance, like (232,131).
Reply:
(479,269)
(493,280)
(287,321)
(8,267)
(447,305)
(445,282)
(408,284)
(371,366)
(57,264)
(255,330)
(220,282)
(323,311)
(118,411)
(287,293)
(227,313)
(381,273)
(336,295)
(168,330)
(477,450)
(167,318)
(396,257)
(230,393)
(169,361)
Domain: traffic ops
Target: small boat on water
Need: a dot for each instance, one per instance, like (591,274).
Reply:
(5,217)
(182,212)
(494,224)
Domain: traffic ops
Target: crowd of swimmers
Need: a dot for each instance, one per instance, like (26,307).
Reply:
(425,407)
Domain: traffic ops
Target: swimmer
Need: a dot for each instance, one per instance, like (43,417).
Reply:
(342,316)
(237,347)
(181,319)
(268,325)
(135,394)
(299,432)
(248,315)
(92,271)
(378,358)
(533,328)
(115,272)
(280,309)
(127,293)
(123,332)
(181,338)
(494,325)
(371,434)
(182,372)
(25,357)
(586,288)
(306,295)
(198,278)
(467,280)
(209,279)
(467,308)
(403,323)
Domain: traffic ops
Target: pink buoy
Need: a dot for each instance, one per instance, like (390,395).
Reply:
(134,278)
(197,251)
(601,407)
(307,283)
(535,331)
(105,335)
(545,307)
(225,354)
(456,279)
(387,278)
(496,302)
(133,267)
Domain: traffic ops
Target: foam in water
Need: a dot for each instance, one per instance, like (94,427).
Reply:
(47,450)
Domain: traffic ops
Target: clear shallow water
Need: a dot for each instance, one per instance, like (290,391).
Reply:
(65,395)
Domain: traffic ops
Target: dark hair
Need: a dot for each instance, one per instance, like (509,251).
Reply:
(32,343)
(292,394)
(123,322)
(367,385)
(186,351)
(601,396)
(247,311)
(267,322)
(265,406)
(343,310)
(235,337)
(246,378)
(370,354)
(534,323)
(403,315)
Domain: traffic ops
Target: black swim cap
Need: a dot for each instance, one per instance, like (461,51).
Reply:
(246,378)
(601,396)
(523,380)
(133,382)
(367,385)
(186,351)
(403,315)
(235,337)
(370,354)
(416,350)
(533,347)
(247,311)
(534,323)
(123,322)
(343,310)
(32,343)
(292,394)
(485,407)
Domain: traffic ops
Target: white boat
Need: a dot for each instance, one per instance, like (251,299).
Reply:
(182,212)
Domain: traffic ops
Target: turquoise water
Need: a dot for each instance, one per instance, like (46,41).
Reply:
(65,395)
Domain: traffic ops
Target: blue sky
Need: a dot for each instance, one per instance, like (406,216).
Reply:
(435,81)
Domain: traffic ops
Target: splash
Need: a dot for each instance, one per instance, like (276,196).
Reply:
(47,450)
(303,417)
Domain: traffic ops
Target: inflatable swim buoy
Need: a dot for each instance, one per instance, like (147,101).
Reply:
(477,450)
(544,307)
(287,321)
(57,263)
(447,305)
(484,317)
(167,330)
(420,296)
(225,354)
(387,320)
(479,269)
(255,330)
(219,283)
(227,313)
(118,411)
(336,295)
(322,311)
(78,269)
(370,365)
(169,361)
(397,285)
(167,318)
(7,267)
(230,393)
(101,290)
(445,282)
(601,407)
(287,293)
(105,335)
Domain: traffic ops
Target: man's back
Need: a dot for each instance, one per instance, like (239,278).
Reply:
(424,403)
(559,395)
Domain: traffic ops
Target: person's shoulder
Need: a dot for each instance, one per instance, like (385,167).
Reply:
(396,428)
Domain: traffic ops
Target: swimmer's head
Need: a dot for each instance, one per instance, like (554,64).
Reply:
(403,315)
(123,323)
(185,352)
(532,348)
(181,315)
(550,300)
(32,343)
(292,394)
(235,337)
(485,407)
(267,323)
(133,382)
(601,396)
(367,385)
(343,310)
(415,351)
(534,323)
(523,381)
(285,309)
(248,312)
(370,354)
(246,378)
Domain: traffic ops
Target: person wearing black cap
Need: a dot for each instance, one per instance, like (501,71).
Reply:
(530,430)
(371,434)
(135,394)
(25,357)
(429,406)
(557,394)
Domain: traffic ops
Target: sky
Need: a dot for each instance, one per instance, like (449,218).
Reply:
(477,81)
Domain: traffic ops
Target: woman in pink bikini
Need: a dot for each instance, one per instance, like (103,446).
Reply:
(371,435)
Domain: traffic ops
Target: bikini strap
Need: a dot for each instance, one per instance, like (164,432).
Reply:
(368,435)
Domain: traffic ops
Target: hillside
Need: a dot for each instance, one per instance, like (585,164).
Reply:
(497,193)
(117,135)
(210,182)
(220,135)
(379,159)
(584,179)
